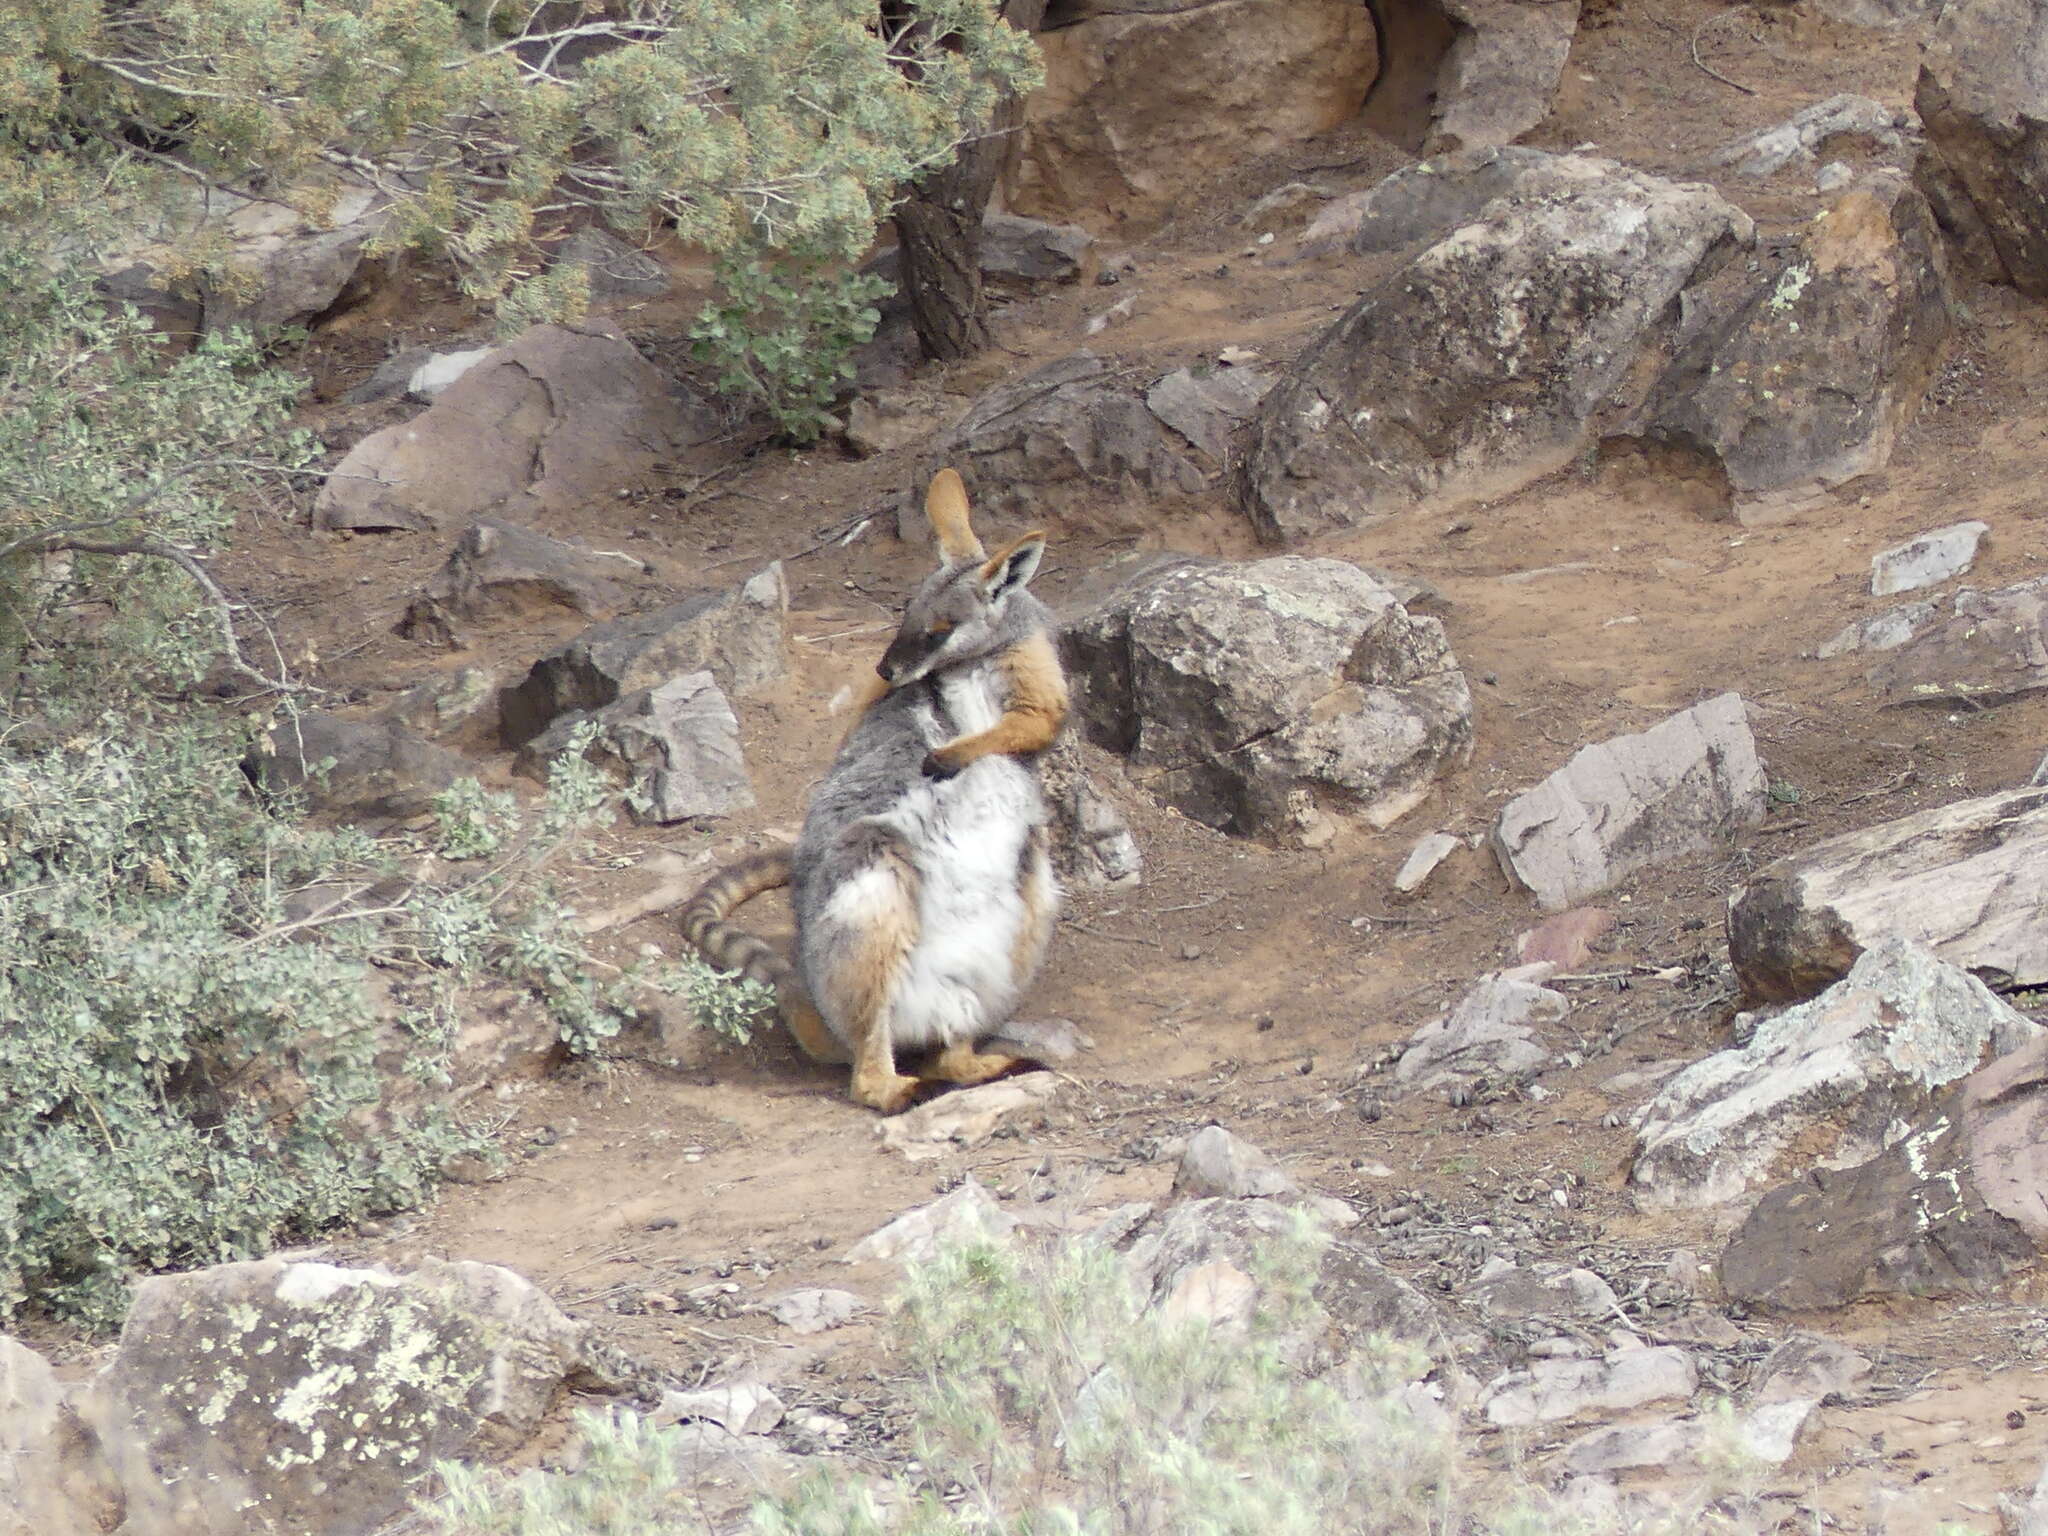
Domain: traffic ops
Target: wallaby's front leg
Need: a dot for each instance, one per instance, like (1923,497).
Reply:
(1037,692)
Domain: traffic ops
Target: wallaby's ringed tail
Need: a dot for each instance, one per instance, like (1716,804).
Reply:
(730,948)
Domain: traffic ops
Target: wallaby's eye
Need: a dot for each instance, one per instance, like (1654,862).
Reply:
(937,636)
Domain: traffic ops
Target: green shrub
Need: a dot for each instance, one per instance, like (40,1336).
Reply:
(773,133)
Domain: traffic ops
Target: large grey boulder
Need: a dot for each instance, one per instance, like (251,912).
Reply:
(558,416)
(1491,358)
(1632,802)
(1236,689)
(1093,846)
(1956,1206)
(736,635)
(1987,648)
(676,747)
(1141,100)
(1828,1083)
(1551,1390)
(1500,75)
(1810,377)
(1207,408)
(1031,447)
(1969,880)
(1983,96)
(277,1398)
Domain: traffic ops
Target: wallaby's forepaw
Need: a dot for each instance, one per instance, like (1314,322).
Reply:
(889,1093)
(938,766)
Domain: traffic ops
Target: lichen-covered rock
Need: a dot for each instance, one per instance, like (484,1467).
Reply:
(1987,648)
(1140,99)
(276,1398)
(1983,96)
(1811,376)
(1231,688)
(1804,136)
(677,747)
(557,416)
(1489,359)
(1421,203)
(1969,880)
(736,635)
(1500,75)
(1623,805)
(1093,846)
(1956,1206)
(1828,1083)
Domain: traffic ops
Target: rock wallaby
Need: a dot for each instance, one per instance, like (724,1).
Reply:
(922,886)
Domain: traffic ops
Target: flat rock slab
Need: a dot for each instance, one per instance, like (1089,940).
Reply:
(1968,880)
(556,417)
(1806,134)
(1635,801)
(1826,1083)
(1955,1207)
(501,572)
(1242,693)
(1928,560)
(1988,648)
(967,1117)
(354,767)
(1551,1390)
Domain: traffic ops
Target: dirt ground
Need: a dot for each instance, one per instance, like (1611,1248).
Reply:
(1259,987)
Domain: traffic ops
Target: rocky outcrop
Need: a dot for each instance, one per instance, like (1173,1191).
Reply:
(1142,100)
(736,635)
(1626,804)
(1808,378)
(676,747)
(1491,358)
(1955,1206)
(1969,880)
(1827,1083)
(560,415)
(1500,75)
(1983,96)
(1030,448)
(1238,691)
(1986,648)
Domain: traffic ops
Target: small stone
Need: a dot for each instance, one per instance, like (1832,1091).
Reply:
(1423,860)
(1925,561)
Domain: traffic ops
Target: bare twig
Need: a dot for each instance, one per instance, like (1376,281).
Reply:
(1705,67)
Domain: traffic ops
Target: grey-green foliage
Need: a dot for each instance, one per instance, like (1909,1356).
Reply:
(1047,1400)
(212,1032)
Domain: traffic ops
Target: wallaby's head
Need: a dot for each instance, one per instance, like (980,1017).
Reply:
(957,614)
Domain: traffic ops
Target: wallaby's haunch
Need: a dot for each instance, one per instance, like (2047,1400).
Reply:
(923,892)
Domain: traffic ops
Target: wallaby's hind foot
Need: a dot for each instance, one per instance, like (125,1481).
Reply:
(961,1063)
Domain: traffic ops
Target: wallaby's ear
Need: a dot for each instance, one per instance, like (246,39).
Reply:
(945,506)
(1013,565)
